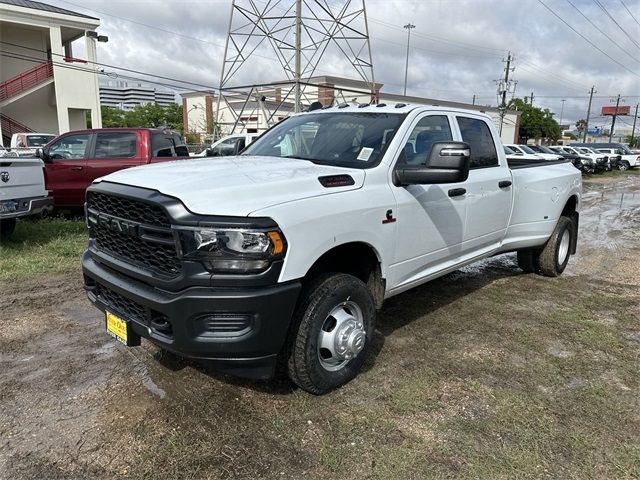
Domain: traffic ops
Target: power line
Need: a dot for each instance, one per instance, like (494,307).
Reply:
(627,9)
(587,40)
(602,7)
(601,31)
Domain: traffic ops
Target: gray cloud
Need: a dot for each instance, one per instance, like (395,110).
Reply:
(457,47)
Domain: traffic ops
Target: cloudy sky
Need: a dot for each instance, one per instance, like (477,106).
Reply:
(457,47)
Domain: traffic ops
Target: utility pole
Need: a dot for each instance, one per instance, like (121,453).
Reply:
(613,122)
(633,130)
(473,102)
(297,74)
(562,112)
(531,99)
(408,26)
(503,88)
(586,127)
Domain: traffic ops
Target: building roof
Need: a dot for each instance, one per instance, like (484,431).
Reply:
(45,8)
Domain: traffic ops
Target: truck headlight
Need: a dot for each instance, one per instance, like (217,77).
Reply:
(230,250)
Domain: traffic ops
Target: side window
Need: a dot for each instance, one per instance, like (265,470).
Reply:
(70,147)
(429,130)
(476,133)
(225,147)
(162,145)
(115,145)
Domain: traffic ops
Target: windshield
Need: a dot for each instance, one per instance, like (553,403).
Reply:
(527,149)
(39,140)
(348,139)
(543,149)
(508,150)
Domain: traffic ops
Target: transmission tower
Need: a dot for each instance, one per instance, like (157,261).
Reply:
(296,35)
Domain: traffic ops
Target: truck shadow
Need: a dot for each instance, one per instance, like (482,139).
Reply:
(397,312)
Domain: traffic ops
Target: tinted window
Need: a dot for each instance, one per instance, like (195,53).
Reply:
(116,145)
(429,130)
(39,140)
(71,146)
(350,139)
(225,147)
(477,134)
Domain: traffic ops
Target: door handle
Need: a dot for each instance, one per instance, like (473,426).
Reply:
(504,184)
(456,192)
(77,168)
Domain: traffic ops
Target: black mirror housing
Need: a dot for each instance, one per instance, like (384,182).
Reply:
(42,154)
(448,162)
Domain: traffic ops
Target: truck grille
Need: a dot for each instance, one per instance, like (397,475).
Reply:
(132,231)
(120,305)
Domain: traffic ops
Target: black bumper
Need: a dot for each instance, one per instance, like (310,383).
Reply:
(240,330)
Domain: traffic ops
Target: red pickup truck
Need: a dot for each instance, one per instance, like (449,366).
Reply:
(75,159)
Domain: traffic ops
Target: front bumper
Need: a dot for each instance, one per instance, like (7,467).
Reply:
(29,206)
(239,330)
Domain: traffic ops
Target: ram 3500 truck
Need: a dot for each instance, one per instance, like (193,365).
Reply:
(22,191)
(286,251)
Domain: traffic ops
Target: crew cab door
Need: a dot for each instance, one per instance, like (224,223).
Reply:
(489,186)
(65,168)
(113,151)
(430,218)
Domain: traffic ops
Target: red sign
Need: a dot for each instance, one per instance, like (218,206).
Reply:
(611,110)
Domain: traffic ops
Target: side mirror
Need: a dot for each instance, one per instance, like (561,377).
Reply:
(448,162)
(209,152)
(42,154)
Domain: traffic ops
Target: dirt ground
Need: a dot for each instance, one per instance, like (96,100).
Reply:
(485,373)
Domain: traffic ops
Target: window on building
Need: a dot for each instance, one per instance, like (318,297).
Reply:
(477,134)
(116,145)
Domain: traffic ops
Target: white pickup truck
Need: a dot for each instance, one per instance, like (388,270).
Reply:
(286,251)
(22,191)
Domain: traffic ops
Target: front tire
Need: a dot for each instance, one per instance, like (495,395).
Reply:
(554,256)
(624,165)
(333,328)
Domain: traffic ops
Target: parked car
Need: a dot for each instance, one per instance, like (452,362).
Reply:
(524,150)
(229,145)
(22,191)
(4,153)
(25,144)
(584,164)
(286,251)
(628,156)
(615,157)
(624,161)
(75,159)
(536,150)
(515,155)
(601,161)
(546,152)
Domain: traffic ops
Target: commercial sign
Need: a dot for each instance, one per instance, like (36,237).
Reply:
(593,131)
(611,110)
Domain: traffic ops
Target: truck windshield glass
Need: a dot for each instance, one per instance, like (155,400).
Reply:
(527,149)
(348,139)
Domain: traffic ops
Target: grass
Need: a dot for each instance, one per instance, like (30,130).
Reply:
(38,246)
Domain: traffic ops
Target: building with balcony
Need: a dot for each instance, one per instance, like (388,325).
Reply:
(43,86)
(128,95)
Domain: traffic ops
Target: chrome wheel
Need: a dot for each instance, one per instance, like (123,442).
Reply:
(342,336)
(563,249)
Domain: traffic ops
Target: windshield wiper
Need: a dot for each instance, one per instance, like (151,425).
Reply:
(312,160)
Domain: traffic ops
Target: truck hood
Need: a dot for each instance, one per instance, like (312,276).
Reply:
(235,186)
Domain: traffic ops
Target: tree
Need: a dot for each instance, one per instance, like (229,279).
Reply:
(581,126)
(570,135)
(112,117)
(535,122)
(152,115)
(635,143)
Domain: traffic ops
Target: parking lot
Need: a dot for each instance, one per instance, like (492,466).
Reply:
(484,373)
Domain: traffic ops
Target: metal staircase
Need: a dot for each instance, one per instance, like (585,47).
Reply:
(25,80)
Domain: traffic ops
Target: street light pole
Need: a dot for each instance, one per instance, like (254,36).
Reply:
(408,26)
(562,112)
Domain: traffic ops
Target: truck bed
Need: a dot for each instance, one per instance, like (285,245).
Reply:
(515,163)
